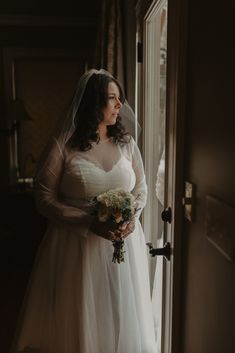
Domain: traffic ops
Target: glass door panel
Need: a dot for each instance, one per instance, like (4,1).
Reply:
(155,69)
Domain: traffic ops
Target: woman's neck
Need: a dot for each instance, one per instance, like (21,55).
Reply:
(103,132)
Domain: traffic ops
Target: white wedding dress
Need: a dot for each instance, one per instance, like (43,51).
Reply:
(78,300)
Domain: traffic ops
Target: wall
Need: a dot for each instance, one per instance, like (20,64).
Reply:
(41,25)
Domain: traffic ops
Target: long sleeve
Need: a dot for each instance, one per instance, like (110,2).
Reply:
(140,189)
(47,183)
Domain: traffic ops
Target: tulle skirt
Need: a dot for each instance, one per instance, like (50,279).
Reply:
(79,301)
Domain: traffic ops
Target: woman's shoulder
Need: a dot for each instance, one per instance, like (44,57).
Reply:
(58,147)
(129,146)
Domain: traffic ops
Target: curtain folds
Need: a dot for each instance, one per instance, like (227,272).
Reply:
(110,49)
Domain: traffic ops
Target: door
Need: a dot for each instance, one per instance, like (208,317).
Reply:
(163,157)
(208,313)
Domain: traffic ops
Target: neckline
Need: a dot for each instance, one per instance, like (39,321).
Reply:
(103,141)
(97,166)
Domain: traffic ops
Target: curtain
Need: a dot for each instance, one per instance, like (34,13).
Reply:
(110,50)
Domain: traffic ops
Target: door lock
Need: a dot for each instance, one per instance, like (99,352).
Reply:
(166,215)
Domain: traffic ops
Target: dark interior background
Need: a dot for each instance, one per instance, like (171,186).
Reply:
(67,25)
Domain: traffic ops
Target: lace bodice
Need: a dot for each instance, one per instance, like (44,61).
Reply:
(70,177)
(88,174)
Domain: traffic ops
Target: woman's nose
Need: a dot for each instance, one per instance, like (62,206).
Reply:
(118,103)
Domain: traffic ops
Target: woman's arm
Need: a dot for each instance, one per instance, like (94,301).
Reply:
(48,203)
(47,183)
(140,189)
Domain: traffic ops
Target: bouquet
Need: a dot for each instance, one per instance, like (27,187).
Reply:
(120,206)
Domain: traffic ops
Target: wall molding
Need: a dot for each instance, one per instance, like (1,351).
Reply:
(46,21)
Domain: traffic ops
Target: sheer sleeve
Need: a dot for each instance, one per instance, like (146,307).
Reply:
(47,184)
(140,189)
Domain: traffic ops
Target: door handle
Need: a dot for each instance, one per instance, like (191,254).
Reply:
(166,215)
(165,251)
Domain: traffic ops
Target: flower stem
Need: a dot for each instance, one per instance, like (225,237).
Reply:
(118,254)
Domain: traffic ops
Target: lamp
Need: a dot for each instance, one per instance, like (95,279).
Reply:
(16,113)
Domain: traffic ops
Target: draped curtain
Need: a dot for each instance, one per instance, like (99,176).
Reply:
(110,51)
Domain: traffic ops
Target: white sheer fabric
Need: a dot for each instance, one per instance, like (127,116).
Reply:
(68,127)
(78,300)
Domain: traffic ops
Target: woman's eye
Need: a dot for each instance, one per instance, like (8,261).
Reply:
(114,98)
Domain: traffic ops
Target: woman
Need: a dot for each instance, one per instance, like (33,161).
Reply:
(78,300)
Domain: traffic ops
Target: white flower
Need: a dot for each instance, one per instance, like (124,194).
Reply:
(117,204)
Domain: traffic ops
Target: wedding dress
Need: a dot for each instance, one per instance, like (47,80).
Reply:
(78,300)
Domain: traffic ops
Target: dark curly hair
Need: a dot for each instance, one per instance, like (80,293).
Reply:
(90,114)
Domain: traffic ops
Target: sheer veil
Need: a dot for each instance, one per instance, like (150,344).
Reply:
(65,130)
(126,113)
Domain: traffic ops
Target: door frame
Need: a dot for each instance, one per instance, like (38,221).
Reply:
(175,126)
(176,97)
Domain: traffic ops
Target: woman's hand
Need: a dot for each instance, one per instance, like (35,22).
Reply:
(112,231)
(126,228)
(107,230)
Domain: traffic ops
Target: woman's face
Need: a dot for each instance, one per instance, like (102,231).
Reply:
(111,110)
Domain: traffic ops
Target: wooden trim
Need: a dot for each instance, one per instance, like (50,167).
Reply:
(46,21)
(176,94)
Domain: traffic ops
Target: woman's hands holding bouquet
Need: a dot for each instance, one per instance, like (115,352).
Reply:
(113,231)
(126,228)
(115,212)
(106,230)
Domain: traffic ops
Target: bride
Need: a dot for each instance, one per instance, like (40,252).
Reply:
(78,300)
